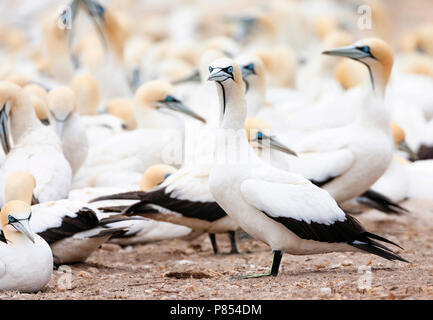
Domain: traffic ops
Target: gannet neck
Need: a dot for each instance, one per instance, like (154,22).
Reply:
(233,106)
(22,114)
(255,95)
(15,216)
(374,112)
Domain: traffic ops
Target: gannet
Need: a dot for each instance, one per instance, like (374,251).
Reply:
(26,262)
(36,148)
(393,186)
(253,74)
(346,161)
(282,209)
(71,228)
(157,139)
(87,94)
(42,111)
(148,230)
(183,198)
(124,110)
(62,102)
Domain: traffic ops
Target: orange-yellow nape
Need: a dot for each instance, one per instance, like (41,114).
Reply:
(155,175)
(123,109)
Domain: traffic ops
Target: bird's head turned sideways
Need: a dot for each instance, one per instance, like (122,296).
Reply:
(366,50)
(158,95)
(375,53)
(225,71)
(15,217)
(155,175)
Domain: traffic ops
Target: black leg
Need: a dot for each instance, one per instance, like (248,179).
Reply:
(232,236)
(214,243)
(276,260)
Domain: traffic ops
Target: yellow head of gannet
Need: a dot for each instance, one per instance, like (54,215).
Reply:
(259,136)
(158,95)
(424,36)
(399,137)
(253,72)
(280,64)
(87,93)
(228,78)
(14,217)
(419,64)
(16,106)
(324,26)
(61,102)
(375,54)
(350,74)
(36,90)
(41,110)
(19,186)
(123,109)
(155,175)
(110,24)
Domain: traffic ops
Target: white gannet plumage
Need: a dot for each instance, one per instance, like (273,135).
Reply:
(282,209)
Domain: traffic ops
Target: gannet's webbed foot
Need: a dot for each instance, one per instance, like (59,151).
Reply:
(274,268)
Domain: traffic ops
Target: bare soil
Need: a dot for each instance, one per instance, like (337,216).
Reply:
(181,269)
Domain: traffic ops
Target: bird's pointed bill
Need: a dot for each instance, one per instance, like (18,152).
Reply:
(404,147)
(348,52)
(219,75)
(23,226)
(178,106)
(4,130)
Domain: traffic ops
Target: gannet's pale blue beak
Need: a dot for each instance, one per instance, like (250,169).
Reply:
(179,106)
(219,75)
(348,52)
(23,226)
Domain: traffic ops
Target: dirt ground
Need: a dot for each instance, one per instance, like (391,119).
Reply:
(180,269)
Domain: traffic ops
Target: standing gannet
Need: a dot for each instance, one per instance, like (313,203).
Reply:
(282,209)
(36,148)
(183,198)
(62,102)
(26,262)
(71,228)
(346,161)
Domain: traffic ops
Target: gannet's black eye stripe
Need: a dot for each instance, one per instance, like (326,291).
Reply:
(250,67)
(167,175)
(259,135)
(12,219)
(366,49)
(100,10)
(210,69)
(171,99)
